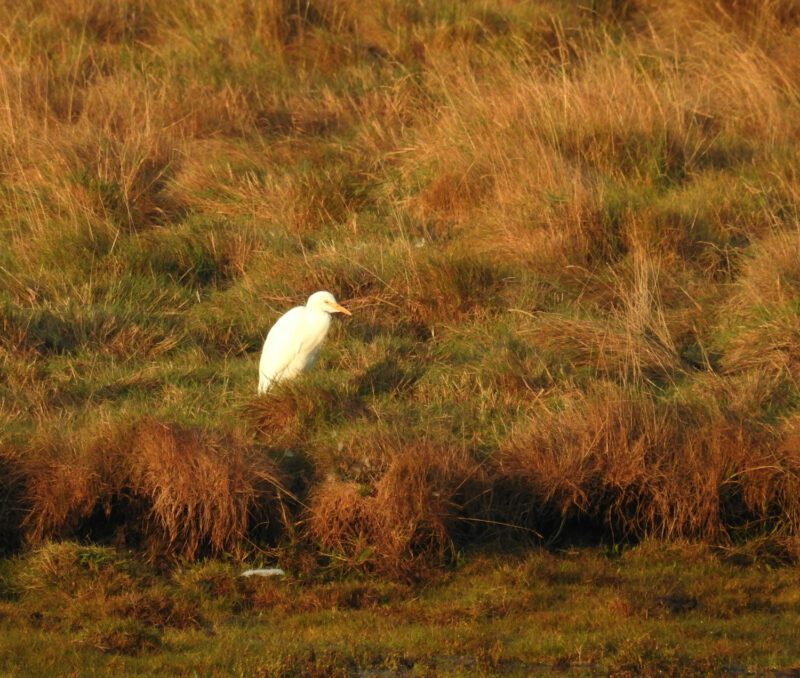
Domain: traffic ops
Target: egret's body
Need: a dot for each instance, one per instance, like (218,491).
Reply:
(293,343)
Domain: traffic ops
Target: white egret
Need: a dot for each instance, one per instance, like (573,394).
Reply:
(293,343)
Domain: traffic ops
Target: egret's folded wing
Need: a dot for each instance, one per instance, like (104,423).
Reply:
(282,344)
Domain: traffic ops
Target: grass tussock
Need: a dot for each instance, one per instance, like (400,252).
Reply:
(409,517)
(762,318)
(283,415)
(641,468)
(164,488)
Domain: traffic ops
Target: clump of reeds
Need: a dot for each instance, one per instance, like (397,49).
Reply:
(403,522)
(633,466)
(171,490)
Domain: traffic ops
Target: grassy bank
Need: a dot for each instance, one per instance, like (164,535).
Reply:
(568,233)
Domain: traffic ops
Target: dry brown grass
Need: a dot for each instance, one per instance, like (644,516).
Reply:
(761,320)
(407,520)
(170,490)
(286,417)
(608,349)
(523,161)
(637,468)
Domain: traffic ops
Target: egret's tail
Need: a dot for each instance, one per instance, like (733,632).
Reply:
(264,383)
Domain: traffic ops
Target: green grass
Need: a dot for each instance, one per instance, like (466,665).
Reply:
(679,610)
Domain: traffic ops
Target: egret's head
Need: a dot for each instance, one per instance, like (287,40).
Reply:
(325,301)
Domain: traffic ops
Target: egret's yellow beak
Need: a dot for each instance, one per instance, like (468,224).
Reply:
(340,309)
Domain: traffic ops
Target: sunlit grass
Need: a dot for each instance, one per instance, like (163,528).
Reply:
(679,610)
(568,233)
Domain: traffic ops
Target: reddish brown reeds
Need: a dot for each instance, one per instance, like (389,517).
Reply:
(170,489)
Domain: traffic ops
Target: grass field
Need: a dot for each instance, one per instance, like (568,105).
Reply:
(68,609)
(568,234)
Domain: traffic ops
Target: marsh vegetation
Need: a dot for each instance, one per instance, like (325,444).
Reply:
(568,234)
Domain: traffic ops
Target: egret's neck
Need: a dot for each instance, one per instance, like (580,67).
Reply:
(318,319)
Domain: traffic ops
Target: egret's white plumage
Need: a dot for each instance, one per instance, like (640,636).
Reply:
(294,341)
